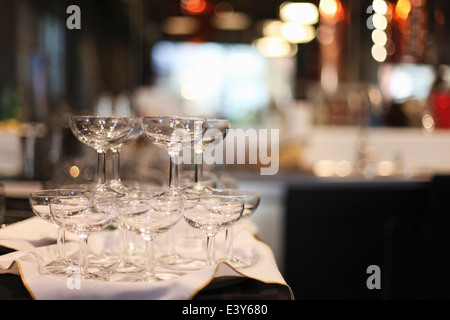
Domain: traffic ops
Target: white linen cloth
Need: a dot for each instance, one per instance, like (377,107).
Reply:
(34,241)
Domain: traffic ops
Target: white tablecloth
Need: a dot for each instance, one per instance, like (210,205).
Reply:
(34,241)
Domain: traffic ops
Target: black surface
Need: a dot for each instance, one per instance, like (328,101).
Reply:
(334,231)
(12,288)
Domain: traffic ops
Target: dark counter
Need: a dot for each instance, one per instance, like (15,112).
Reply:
(336,229)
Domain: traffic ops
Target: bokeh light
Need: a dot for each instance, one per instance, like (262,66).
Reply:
(302,12)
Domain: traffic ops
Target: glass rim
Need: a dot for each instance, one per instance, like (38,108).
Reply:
(186,118)
(70,197)
(88,199)
(237,192)
(151,199)
(102,117)
(42,192)
(222,198)
(217,119)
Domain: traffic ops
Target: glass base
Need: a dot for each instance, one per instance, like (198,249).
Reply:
(104,191)
(59,266)
(117,186)
(99,259)
(198,189)
(94,276)
(172,259)
(123,267)
(191,265)
(157,277)
(236,263)
(149,278)
(178,193)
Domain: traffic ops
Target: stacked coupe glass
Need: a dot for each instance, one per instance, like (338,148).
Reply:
(147,211)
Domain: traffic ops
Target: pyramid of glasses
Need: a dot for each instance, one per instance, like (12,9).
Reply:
(141,209)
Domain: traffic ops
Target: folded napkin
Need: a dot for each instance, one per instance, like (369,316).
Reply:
(29,234)
(42,285)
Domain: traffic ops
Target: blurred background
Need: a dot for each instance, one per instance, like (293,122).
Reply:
(359,91)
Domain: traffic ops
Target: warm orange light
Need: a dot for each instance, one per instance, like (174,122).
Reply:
(403,8)
(331,9)
(74,171)
(194,6)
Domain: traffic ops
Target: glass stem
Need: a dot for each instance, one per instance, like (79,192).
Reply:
(173,185)
(101,168)
(170,240)
(61,241)
(229,235)
(116,165)
(173,176)
(210,250)
(198,167)
(149,258)
(83,255)
(123,245)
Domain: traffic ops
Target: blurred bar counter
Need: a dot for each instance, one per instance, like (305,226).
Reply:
(17,193)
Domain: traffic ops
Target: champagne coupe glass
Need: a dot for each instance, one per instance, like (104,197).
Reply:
(173,134)
(251,202)
(83,215)
(116,183)
(40,205)
(193,239)
(216,130)
(124,265)
(211,214)
(102,133)
(150,217)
